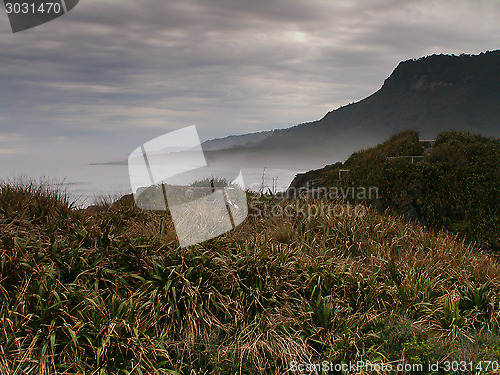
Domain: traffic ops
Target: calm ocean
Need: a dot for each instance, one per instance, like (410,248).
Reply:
(87,184)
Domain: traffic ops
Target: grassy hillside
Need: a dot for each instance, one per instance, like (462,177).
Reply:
(452,183)
(110,292)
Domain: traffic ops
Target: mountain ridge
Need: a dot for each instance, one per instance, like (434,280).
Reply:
(430,94)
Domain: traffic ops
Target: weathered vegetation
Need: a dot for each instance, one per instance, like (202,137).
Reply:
(110,292)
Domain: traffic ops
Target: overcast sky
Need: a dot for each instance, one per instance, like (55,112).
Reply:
(94,84)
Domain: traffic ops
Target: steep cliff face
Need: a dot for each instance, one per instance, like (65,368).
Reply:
(431,94)
(442,71)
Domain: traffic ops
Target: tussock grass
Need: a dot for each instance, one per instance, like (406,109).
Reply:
(111,292)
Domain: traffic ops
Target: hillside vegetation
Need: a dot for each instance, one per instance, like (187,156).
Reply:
(111,292)
(452,183)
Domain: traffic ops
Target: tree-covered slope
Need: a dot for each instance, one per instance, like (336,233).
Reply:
(452,183)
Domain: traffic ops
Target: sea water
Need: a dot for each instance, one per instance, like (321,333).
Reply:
(86,184)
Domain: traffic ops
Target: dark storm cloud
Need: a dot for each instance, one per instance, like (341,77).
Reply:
(115,73)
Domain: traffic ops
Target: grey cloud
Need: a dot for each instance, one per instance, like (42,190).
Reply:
(125,71)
